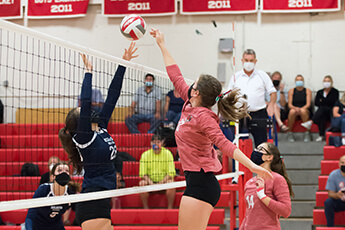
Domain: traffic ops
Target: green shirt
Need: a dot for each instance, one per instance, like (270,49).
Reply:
(157,166)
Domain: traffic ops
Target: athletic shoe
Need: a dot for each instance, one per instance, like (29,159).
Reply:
(343,140)
(306,137)
(307,124)
(290,137)
(320,138)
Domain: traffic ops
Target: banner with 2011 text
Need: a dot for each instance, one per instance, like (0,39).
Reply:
(56,8)
(190,7)
(10,9)
(290,6)
(119,8)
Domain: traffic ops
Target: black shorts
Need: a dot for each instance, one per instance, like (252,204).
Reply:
(202,186)
(89,210)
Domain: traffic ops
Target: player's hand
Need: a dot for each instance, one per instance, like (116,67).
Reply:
(260,182)
(262,172)
(87,63)
(129,54)
(158,36)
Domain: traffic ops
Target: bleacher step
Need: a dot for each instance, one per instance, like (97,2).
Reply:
(296,223)
(304,192)
(302,209)
(304,177)
(303,162)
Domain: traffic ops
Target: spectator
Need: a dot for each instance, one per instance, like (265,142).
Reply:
(253,84)
(157,167)
(147,100)
(47,177)
(280,107)
(97,100)
(173,106)
(338,120)
(336,192)
(325,99)
(299,102)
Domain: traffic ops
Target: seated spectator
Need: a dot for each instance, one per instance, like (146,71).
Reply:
(97,100)
(47,177)
(299,101)
(325,99)
(157,167)
(336,192)
(147,101)
(280,108)
(338,120)
(173,106)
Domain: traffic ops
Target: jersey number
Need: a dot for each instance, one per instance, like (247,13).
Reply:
(250,201)
(113,152)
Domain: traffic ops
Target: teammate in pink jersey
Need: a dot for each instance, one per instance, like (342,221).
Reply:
(196,133)
(267,200)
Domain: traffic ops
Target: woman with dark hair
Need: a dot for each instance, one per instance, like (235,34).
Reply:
(49,217)
(90,147)
(267,200)
(196,133)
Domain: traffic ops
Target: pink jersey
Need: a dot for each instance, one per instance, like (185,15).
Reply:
(260,216)
(197,131)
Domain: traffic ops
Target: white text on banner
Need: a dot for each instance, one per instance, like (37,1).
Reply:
(119,8)
(288,6)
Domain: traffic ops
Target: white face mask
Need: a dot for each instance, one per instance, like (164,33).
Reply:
(248,66)
(326,84)
(51,167)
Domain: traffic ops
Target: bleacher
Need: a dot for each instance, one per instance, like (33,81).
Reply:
(329,163)
(21,143)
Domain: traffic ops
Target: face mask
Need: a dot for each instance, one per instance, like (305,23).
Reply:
(190,91)
(256,157)
(327,84)
(156,147)
(299,83)
(248,66)
(149,83)
(342,168)
(62,179)
(276,83)
(51,167)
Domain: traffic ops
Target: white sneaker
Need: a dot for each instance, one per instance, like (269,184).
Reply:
(307,124)
(343,140)
(319,139)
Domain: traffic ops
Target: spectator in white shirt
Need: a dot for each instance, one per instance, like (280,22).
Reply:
(253,84)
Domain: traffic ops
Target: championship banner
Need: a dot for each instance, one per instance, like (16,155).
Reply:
(120,8)
(290,6)
(189,7)
(38,9)
(10,9)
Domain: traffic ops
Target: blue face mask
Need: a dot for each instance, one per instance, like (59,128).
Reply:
(148,83)
(299,83)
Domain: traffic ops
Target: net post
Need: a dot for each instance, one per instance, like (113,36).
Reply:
(241,199)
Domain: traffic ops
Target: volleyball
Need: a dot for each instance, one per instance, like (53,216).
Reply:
(133,27)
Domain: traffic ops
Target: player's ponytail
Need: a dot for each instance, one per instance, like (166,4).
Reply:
(65,136)
(278,166)
(230,106)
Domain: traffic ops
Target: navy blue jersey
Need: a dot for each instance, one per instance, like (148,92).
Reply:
(49,217)
(97,149)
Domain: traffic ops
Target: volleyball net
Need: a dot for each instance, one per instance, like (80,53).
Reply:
(40,80)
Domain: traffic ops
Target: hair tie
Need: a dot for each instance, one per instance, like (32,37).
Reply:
(222,95)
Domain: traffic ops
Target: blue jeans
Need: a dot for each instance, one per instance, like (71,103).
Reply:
(332,206)
(173,116)
(339,122)
(133,121)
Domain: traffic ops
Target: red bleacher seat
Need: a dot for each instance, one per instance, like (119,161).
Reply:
(319,217)
(129,216)
(328,166)
(321,196)
(328,134)
(298,128)
(330,228)
(7,196)
(132,167)
(121,128)
(119,228)
(322,182)
(332,152)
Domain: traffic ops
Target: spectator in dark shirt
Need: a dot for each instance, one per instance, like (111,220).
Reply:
(338,120)
(299,101)
(325,99)
(173,106)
